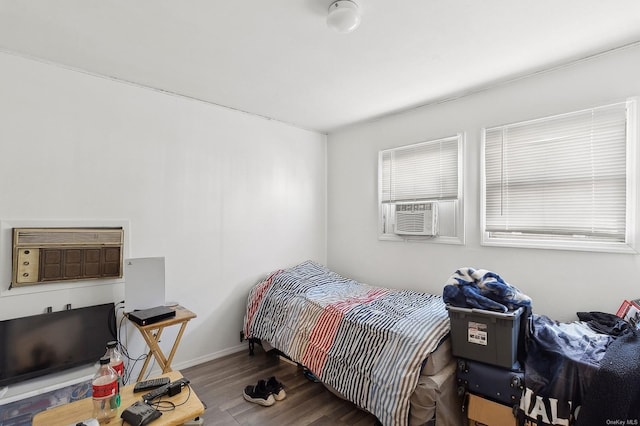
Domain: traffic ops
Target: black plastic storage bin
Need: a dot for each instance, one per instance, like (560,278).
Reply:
(485,336)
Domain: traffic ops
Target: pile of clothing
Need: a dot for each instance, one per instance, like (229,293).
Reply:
(482,289)
(588,369)
(615,390)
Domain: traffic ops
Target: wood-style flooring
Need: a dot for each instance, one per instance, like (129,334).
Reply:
(219,384)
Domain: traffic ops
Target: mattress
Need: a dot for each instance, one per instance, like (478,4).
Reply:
(437,396)
(438,359)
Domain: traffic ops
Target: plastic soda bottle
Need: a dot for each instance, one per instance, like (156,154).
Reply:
(104,391)
(117,363)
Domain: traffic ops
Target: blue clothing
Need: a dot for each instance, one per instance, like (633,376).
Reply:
(482,289)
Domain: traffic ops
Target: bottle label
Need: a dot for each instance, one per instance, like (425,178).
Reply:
(105,390)
(119,367)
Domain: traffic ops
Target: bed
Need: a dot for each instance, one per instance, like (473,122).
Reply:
(385,350)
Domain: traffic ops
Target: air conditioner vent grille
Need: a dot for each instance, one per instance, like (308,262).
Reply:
(66,237)
(411,222)
(416,219)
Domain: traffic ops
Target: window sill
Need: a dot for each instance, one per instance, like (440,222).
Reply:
(421,239)
(560,245)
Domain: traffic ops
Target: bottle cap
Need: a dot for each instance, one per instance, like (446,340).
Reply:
(112,344)
(105,360)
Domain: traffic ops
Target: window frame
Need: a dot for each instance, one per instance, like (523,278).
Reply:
(459,219)
(576,243)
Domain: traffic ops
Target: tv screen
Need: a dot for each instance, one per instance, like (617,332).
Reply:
(41,344)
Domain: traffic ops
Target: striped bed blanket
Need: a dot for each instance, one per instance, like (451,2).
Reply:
(367,342)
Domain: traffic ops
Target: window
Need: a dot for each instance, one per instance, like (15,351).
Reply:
(420,192)
(566,181)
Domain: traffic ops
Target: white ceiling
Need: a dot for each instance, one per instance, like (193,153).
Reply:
(279,60)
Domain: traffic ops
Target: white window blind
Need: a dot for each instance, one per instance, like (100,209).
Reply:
(559,177)
(420,172)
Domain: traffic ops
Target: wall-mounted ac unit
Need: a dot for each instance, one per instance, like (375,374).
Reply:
(417,219)
(59,254)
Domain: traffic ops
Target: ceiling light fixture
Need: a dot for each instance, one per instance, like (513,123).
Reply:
(344,16)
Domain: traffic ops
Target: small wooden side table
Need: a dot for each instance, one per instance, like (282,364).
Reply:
(152,332)
(187,406)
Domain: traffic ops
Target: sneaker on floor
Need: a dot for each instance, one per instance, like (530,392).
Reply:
(276,388)
(259,394)
(310,376)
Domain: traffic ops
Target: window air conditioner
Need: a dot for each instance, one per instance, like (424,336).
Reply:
(417,219)
(59,254)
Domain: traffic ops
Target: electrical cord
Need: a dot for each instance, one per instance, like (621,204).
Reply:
(133,361)
(164,405)
(111,321)
(187,399)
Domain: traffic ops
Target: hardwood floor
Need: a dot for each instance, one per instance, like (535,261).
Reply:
(219,384)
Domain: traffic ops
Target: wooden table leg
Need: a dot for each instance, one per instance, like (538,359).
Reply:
(174,348)
(152,341)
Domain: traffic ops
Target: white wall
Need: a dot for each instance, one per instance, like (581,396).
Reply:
(560,282)
(224,196)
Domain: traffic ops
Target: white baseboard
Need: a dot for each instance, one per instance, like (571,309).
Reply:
(212,356)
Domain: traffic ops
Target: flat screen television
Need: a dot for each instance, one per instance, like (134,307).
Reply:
(37,345)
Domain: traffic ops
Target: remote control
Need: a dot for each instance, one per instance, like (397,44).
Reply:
(163,390)
(150,384)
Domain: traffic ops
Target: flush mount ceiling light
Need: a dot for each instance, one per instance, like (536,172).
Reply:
(344,16)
